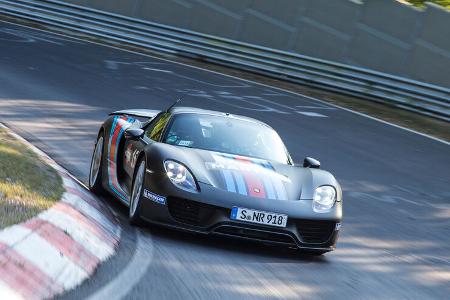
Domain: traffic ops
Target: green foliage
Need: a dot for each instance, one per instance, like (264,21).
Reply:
(421,3)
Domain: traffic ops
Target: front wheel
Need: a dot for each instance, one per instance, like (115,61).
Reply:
(135,199)
(96,173)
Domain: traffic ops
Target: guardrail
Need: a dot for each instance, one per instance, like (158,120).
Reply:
(404,93)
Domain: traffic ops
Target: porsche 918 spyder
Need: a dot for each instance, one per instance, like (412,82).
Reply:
(215,173)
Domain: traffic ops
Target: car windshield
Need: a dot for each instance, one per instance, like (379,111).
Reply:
(227,135)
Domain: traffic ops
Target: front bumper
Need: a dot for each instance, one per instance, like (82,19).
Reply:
(208,212)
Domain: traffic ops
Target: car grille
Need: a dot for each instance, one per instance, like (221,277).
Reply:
(190,212)
(315,231)
(265,236)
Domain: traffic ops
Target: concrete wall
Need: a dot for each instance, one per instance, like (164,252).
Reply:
(383,35)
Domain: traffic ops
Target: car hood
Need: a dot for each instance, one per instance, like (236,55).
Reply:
(254,177)
(242,175)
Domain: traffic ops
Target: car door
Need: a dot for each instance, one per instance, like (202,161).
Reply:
(133,148)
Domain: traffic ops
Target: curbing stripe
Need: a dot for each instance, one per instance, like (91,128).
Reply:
(94,228)
(64,243)
(61,247)
(88,211)
(79,233)
(48,259)
(24,278)
(7,293)
(91,201)
(13,235)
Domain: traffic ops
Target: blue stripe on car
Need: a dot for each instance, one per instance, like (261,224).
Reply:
(269,188)
(229,180)
(242,188)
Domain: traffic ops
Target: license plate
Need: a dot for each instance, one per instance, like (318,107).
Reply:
(258,217)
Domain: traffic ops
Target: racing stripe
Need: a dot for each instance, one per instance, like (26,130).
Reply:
(254,184)
(113,158)
(274,181)
(270,185)
(227,175)
(269,188)
(118,127)
(111,150)
(242,188)
(113,126)
(229,180)
(267,165)
(242,158)
(279,188)
(240,182)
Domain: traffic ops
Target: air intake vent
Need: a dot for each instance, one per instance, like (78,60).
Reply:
(261,235)
(314,231)
(190,212)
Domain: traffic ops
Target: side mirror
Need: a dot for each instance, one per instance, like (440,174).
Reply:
(312,163)
(133,133)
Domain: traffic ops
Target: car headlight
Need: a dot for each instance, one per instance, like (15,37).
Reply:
(180,176)
(324,198)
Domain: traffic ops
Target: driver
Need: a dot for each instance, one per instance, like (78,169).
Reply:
(186,131)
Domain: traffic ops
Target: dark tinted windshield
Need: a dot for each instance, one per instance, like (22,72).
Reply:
(227,135)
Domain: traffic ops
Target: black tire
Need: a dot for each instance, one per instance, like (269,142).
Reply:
(96,171)
(136,193)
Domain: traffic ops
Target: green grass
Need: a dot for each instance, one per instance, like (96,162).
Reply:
(421,3)
(27,185)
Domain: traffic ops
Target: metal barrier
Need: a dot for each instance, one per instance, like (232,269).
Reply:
(404,93)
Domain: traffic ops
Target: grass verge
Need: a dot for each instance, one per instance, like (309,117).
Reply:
(27,184)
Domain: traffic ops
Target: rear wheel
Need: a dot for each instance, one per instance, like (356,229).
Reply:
(136,193)
(96,173)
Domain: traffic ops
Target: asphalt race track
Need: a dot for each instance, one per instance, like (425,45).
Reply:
(395,241)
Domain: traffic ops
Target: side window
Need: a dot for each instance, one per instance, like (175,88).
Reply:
(156,127)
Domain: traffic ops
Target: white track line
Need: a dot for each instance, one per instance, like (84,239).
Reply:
(231,76)
(124,282)
(311,114)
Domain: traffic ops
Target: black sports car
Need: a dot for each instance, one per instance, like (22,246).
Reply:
(215,173)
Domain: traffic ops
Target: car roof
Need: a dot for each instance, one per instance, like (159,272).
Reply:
(194,110)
